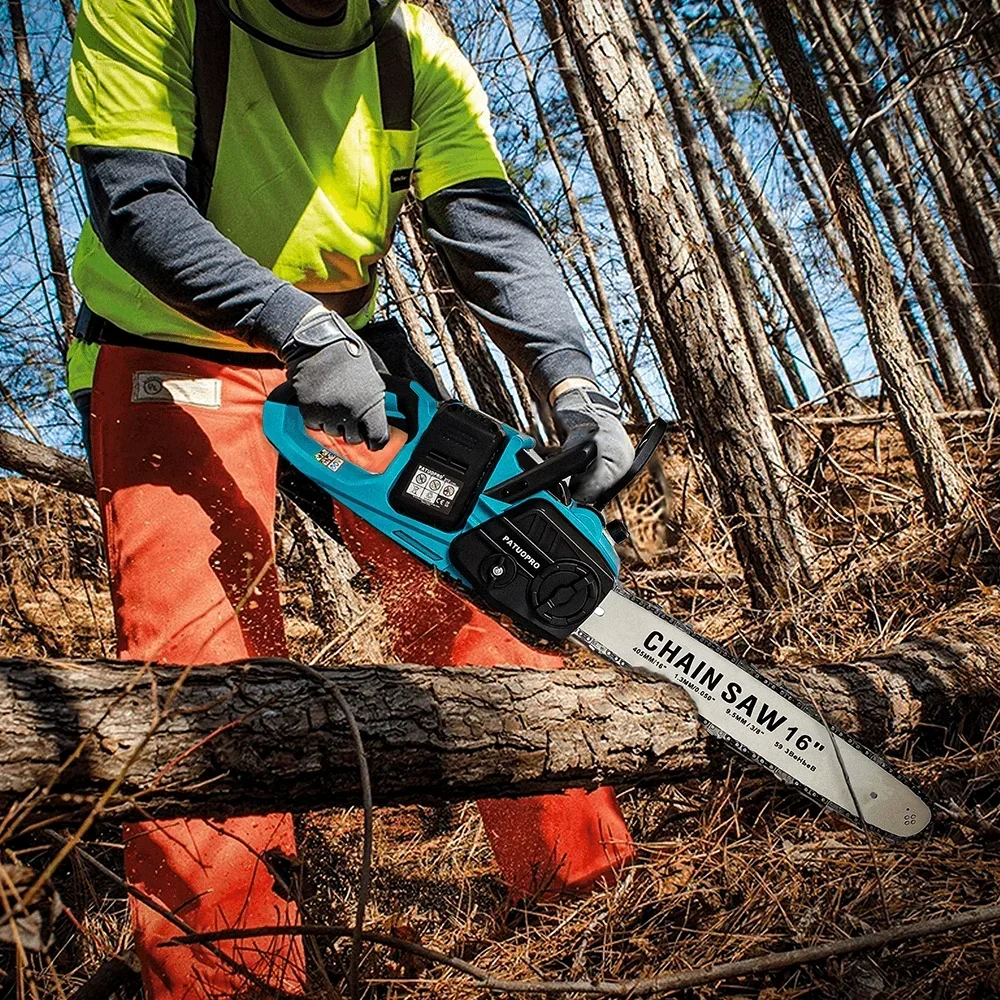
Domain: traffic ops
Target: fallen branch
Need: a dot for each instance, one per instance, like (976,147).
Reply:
(44,464)
(687,979)
(866,419)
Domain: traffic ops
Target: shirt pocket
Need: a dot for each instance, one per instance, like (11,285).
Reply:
(385,175)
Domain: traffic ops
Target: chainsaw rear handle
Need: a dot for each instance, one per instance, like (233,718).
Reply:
(283,422)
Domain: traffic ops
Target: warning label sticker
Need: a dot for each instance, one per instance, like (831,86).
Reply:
(432,488)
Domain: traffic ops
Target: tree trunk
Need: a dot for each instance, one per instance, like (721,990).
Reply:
(778,336)
(619,358)
(725,400)
(942,484)
(44,173)
(481,368)
(327,567)
(982,258)
(753,239)
(963,311)
(527,402)
(69,15)
(979,141)
(246,738)
(777,242)
(604,169)
(405,302)
(447,344)
(733,264)
(788,131)
(986,36)
(958,302)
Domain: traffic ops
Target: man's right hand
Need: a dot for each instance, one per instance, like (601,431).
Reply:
(338,389)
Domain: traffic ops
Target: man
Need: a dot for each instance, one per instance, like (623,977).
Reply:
(244,169)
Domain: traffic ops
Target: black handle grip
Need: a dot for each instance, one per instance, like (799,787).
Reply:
(548,474)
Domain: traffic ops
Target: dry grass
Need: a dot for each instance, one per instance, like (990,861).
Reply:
(728,868)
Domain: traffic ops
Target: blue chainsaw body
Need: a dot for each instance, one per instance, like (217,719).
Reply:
(539,557)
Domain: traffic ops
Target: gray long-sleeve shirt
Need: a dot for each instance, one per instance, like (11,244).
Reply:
(143,208)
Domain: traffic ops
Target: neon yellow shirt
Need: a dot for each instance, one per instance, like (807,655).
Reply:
(302,177)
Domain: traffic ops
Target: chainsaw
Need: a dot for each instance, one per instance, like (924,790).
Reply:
(470,497)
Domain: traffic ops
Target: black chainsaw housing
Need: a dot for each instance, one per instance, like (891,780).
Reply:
(533,565)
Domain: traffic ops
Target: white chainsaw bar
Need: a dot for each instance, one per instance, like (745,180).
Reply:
(754,716)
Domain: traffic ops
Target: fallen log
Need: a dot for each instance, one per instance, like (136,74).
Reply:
(44,464)
(944,681)
(250,737)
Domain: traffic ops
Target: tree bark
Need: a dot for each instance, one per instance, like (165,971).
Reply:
(963,314)
(245,738)
(978,140)
(44,464)
(44,173)
(327,568)
(735,267)
(713,366)
(943,486)
(607,178)
(619,357)
(981,257)
(404,299)
(778,335)
(472,366)
(69,15)
(461,385)
(986,37)
(788,131)
(774,236)
(481,369)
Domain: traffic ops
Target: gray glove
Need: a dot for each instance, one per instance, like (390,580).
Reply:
(338,389)
(574,413)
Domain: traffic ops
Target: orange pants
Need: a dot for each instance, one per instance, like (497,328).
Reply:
(186,486)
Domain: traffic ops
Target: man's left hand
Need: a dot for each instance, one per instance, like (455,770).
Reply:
(576,407)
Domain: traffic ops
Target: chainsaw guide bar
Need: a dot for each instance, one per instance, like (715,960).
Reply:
(754,716)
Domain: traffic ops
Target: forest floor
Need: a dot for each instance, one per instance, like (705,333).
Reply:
(727,868)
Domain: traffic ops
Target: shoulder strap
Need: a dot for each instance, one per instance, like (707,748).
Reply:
(210,78)
(395,72)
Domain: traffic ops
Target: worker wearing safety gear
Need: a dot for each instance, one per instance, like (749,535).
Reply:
(244,168)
